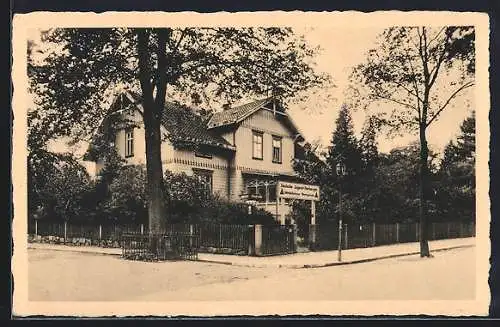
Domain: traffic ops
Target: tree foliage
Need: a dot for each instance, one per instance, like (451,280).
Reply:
(72,82)
(58,186)
(457,175)
(344,147)
(414,74)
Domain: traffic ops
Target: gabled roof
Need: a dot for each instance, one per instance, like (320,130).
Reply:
(236,114)
(183,124)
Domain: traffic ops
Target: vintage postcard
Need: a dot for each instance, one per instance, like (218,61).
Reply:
(252,163)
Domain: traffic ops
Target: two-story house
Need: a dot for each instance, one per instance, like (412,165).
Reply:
(240,151)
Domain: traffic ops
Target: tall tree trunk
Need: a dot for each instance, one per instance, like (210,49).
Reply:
(156,210)
(424,154)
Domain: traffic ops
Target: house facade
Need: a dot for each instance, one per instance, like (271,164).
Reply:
(241,152)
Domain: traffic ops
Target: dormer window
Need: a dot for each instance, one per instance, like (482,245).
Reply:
(202,154)
(129,142)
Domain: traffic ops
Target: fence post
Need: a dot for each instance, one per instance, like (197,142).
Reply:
(433,231)
(294,238)
(258,239)
(251,240)
(345,237)
(397,232)
(220,236)
(295,241)
(448,230)
(191,235)
(65,231)
(36,228)
(100,232)
(374,234)
(417,231)
(142,229)
(312,237)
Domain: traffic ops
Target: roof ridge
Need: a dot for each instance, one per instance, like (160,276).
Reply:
(236,114)
(190,127)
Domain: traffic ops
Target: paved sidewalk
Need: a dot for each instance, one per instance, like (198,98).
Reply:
(297,260)
(329,258)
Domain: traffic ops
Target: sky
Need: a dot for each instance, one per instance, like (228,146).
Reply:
(342,49)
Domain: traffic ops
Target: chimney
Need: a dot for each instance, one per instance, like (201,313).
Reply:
(226,106)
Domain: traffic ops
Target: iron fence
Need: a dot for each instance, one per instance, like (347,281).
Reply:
(408,232)
(278,240)
(368,235)
(357,236)
(229,239)
(105,235)
(239,239)
(169,246)
(385,234)
(326,236)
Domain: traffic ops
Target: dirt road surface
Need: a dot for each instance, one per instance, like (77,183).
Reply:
(66,276)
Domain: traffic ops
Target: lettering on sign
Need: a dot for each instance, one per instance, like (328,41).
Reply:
(298,191)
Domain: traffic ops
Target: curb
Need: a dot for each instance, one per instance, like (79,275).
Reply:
(330,264)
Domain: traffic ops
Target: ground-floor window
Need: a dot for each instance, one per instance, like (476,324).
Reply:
(206,176)
(265,189)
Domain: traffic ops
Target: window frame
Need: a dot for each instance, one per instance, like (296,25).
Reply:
(129,151)
(261,136)
(280,139)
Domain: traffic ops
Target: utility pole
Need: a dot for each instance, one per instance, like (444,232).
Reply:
(339,256)
(341,172)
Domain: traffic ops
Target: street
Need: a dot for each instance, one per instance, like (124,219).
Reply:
(68,276)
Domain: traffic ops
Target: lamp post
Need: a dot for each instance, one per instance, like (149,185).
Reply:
(341,172)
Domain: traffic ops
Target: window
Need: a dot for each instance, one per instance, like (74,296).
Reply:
(264,189)
(202,154)
(257,145)
(276,149)
(205,176)
(129,143)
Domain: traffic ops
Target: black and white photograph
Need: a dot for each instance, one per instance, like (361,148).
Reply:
(265,163)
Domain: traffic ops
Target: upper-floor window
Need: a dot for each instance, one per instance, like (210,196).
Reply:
(129,142)
(257,145)
(277,149)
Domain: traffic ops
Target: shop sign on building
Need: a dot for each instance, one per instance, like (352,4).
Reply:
(298,191)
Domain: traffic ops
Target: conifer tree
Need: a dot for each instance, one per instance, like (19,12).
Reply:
(343,148)
(344,145)
(456,199)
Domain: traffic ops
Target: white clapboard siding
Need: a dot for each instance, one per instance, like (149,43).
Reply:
(184,161)
(265,122)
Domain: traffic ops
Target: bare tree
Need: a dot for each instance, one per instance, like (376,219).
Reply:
(417,72)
